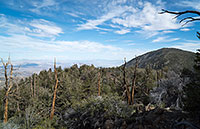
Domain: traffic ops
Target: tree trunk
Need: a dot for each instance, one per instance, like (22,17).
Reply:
(54,97)
(125,85)
(133,82)
(7,94)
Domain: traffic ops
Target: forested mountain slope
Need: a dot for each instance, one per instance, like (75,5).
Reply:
(174,59)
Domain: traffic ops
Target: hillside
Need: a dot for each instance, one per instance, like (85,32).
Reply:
(173,58)
(89,97)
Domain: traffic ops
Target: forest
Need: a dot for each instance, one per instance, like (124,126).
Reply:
(89,97)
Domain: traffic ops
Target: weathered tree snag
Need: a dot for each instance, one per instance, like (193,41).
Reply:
(134,81)
(8,87)
(125,85)
(54,97)
(99,85)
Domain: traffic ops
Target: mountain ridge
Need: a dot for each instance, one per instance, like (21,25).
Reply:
(173,58)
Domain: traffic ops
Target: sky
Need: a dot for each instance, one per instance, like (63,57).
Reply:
(93,29)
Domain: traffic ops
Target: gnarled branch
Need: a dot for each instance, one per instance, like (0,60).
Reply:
(189,19)
(186,19)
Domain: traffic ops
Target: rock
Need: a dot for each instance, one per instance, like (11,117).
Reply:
(109,124)
(124,125)
(69,112)
(118,122)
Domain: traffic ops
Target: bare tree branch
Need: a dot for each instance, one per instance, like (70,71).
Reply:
(180,13)
(198,35)
(187,19)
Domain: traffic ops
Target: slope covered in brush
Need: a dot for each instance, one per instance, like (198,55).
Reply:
(174,59)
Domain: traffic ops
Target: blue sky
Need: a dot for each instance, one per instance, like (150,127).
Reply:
(92,29)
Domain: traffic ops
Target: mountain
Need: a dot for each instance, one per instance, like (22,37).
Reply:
(172,58)
(28,65)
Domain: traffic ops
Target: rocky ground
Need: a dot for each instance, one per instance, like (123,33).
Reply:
(157,118)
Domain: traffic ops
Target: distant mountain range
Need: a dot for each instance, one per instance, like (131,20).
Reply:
(172,58)
(28,65)
(26,68)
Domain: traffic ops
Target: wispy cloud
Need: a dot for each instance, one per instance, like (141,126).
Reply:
(122,31)
(131,44)
(44,28)
(36,27)
(167,31)
(77,50)
(192,3)
(189,46)
(147,19)
(72,14)
(42,4)
(93,24)
(185,29)
(165,39)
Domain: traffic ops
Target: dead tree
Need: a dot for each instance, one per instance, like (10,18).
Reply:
(134,81)
(55,89)
(125,85)
(187,19)
(8,86)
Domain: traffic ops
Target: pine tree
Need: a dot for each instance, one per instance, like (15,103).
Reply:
(192,90)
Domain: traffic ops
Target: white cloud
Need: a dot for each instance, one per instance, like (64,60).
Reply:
(167,31)
(190,46)
(37,27)
(192,3)
(164,39)
(87,46)
(93,24)
(146,18)
(185,29)
(22,41)
(43,28)
(172,39)
(46,3)
(159,39)
(23,46)
(131,44)
(42,4)
(122,31)
(72,14)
